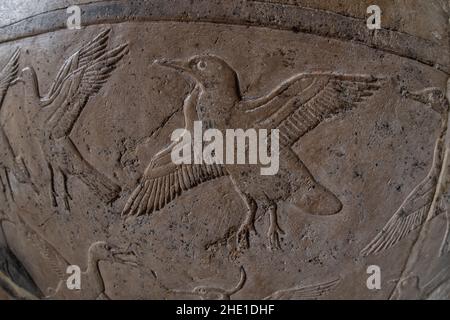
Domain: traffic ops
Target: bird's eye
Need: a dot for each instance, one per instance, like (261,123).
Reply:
(201,65)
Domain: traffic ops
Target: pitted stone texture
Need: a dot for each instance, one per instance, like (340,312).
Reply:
(370,157)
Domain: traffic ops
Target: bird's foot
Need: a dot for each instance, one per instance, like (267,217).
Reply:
(274,236)
(66,202)
(67,198)
(243,235)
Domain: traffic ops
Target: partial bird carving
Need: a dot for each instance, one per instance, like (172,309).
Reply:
(14,291)
(9,162)
(411,287)
(11,266)
(295,107)
(216,293)
(52,257)
(53,116)
(304,292)
(92,283)
(427,199)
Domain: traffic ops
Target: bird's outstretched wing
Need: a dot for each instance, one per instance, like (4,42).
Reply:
(55,260)
(81,58)
(304,292)
(412,213)
(8,73)
(80,85)
(161,185)
(301,103)
(48,252)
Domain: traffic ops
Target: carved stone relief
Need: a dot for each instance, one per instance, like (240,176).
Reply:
(87,176)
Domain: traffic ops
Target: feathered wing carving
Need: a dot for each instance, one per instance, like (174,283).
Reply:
(8,73)
(295,107)
(295,113)
(155,191)
(412,213)
(163,180)
(48,252)
(83,76)
(80,59)
(305,292)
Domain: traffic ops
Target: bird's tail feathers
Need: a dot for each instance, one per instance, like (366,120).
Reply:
(316,200)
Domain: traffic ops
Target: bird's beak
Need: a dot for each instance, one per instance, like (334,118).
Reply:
(124,256)
(417,96)
(176,64)
(424,97)
(180,66)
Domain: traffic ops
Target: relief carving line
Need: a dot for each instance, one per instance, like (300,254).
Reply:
(214,292)
(295,107)
(91,279)
(8,160)
(305,292)
(428,199)
(52,117)
(56,262)
(11,267)
(206,292)
(237,12)
(412,288)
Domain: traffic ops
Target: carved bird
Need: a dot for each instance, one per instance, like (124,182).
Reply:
(49,254)
(427,199)
(92,283)
(53,116)
(411,287)
(215,293)
(304,292)
(11,266)
(8,160)
(295,107)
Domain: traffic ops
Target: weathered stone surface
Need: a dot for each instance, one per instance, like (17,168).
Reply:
(363,174)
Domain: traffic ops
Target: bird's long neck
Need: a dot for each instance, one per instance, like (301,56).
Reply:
(3,241)
(216,102)
(32,88)
(93,273)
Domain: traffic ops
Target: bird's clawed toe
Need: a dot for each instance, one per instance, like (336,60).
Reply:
(274,229)
(274,237)
(66,203)
(243,235)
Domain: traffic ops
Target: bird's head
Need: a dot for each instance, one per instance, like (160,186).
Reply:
(102,251)
(208,70)
(433,97)
(28,78)
(203,292)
